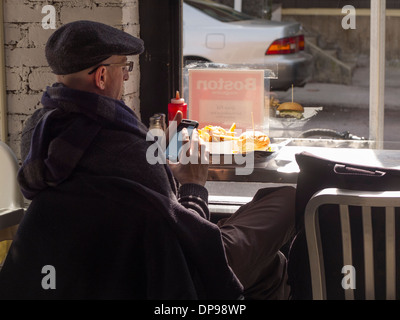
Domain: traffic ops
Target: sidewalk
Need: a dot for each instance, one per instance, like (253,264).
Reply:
(352,96)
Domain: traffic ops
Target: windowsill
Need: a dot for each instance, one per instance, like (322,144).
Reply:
(281,166)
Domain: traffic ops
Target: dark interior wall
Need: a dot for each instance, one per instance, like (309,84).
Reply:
(160,63)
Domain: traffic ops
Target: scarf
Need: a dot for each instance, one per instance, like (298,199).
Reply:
(64,133)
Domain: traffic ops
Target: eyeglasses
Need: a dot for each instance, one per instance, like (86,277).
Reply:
(128,66)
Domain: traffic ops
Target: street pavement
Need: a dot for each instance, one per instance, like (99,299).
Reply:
(355,95)
(346,107)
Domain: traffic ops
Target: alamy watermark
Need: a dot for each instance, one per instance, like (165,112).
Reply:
(244,162)
(349,280)
(49,280)
(49,20)
(349,21)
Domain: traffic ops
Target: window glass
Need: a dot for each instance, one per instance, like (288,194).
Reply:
(322,51)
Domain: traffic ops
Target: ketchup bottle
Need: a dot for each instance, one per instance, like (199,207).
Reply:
(177,104)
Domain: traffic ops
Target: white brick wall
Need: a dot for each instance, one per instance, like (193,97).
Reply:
(27,72)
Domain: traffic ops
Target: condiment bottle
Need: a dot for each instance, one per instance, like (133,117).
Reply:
(177,104)
(156,126)
(155,122)
(162,120)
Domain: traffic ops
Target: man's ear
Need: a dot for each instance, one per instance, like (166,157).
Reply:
(100,77)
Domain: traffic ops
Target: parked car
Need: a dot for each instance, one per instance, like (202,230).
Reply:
(217,33)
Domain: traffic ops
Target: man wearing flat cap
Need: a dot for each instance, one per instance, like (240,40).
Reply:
(112,225)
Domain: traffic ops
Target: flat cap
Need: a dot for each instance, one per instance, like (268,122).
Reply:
(82,44)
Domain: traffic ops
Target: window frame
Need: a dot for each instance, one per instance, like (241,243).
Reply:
(377,72)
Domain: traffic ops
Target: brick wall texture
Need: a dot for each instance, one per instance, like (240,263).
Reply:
(27,72)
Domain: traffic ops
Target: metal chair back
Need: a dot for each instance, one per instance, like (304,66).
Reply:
(366,200)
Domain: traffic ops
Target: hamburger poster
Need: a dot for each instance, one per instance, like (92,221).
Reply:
(221,97)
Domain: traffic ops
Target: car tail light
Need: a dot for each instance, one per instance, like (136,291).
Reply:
(286,45)
(301,42)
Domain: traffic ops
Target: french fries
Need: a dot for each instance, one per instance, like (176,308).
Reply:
(217,133)
(256,139)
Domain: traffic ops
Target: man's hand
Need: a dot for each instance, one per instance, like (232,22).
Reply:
(193,160)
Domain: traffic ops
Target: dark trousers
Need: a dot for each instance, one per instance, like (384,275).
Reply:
(253,237)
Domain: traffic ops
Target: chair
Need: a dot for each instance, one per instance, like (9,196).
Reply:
(11,199)
(370,204)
